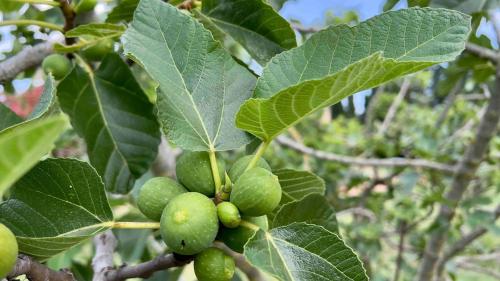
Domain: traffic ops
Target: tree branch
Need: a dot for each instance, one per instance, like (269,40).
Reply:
(36,271)
(461,244)
(69,18)
(387,162)
(391,113)
(241,262)
(482,52)
(146,269)
(105,244)
(25,59)
(463,175)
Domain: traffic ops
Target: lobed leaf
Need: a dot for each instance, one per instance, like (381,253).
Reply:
(124,11)
(96,30)
(200,86)
(301,81)
(252,23)
(22,146)
(114,116)
(302,251)
(56,205)
(8,117)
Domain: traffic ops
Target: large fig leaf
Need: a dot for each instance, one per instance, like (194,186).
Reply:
(112,113)
(302,251)
(341,60)
(296,185)
(22,146)
(252,23)
(57,204)
(200,86)
(8,117)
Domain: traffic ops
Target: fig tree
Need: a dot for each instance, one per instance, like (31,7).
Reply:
(85,6)
(99,50)
(8,251)
(228,214)
(155,195)
(195,173)
(189,223)
(56,64)
(256,192)
(241,164)
(213,265)
(236,238)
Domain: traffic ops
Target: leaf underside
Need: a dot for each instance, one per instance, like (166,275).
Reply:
(200,86)
(341,60)
(112,113)
(252,23)
(303,251)
(57,204)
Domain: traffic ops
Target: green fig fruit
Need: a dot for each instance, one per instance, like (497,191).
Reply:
(257,192)
(214,265)
(155,195)
(228,214)
(56,64)
(189,223)
(195,173)
(241,164)
(236,238)
(97,51)
(8,251)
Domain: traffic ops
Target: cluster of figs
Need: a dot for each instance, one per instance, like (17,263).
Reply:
(192,216)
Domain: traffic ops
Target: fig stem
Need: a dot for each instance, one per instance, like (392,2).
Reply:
(215,170)
(135,225)
(260,151)
(32,22)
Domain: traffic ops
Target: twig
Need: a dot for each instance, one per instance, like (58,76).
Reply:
(448,102)
(146,269)
(394,106)
(27,58)
(105,244)
(386,162)
(69,18)
(461,244)
(466,169)
(32,22)
(36,271)
(482,52)
(399,259)
(479,269)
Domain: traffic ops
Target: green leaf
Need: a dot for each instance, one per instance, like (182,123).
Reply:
(313,209)
(96,30)
(8,117)
(252,23)
(56,205)
(201,86)
(296,185)
(389,4)
(277,4)
(303,251)
(23,145)
(47,101)
(467,6)
(124,11)
(341,60)
(111,112)
(90,34)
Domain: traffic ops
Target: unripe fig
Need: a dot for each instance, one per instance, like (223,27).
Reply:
(189,223)
(257,192)
(99,50)
(241,164)
(56,64)
(236,238)
(85,6)
(155,195)
(8,251)
(228,214)
(195,173)
(213,265)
